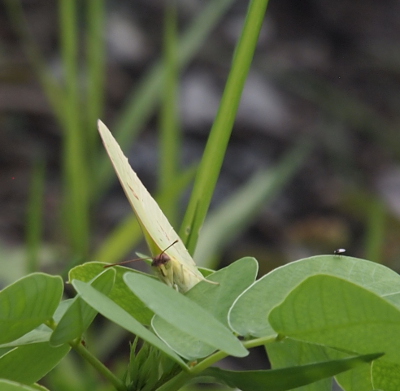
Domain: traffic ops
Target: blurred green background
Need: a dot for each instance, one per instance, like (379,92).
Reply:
(322,73)
(312,164)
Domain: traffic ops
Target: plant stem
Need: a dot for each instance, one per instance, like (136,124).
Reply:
(92,360)
(207,362)
(98,365)
(218,139)
(176,382)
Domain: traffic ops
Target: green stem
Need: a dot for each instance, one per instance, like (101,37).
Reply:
(258,342)
(176,382)
(179,380)
(98,365)
(218,139)
(92,360)
(207,362)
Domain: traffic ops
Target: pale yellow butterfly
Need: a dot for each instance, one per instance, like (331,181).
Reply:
(175,267)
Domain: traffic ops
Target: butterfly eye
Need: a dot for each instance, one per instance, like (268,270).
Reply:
(161,259)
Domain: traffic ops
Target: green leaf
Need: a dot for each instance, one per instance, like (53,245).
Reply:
(29,363)
(184,314)
(290,353)
(116,314)
(331,311)
(286,378)
(27,303)
(78,317)
(8,385)
(357,379)
(119,293)
(40,334)
(216,299)
(386,375)
(249,315)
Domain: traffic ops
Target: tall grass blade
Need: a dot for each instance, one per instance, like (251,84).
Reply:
(76,207)
(96,63)
(144,98)
(376,226)
(170,134)
(50,85)
(220,133)
(34,224)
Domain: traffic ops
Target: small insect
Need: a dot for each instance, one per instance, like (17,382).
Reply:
(158,261)
(339,251)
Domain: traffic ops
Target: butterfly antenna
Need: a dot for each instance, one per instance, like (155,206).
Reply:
(124,262)
(138,259)
(165,249)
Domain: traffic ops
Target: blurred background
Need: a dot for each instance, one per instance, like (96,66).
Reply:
(322,71)
(312,164)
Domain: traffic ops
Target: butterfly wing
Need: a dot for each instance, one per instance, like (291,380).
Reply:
(182,271)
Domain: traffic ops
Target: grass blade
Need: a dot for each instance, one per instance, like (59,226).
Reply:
(34,226)
(76,208)
(96,63)
(220,133)
(170,135)
(143,100)
(49,83)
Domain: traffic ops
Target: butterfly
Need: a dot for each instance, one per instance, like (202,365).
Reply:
(172,261)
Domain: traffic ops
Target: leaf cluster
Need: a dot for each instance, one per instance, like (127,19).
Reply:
(318,317)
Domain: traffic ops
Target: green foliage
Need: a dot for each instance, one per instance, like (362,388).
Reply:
(332,314)
(200,324)
(28,303)
(288,378)
(216,299)
(8,385)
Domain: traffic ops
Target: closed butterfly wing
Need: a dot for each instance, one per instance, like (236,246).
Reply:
(178,269)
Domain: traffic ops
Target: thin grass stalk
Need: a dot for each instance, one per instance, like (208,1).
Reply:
(49,83)
(145,96)
(76,207)
(170,133)
(376,227)
(96,64)
(217,143)
(34,225)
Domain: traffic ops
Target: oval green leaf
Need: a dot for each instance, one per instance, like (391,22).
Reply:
(216,299)
(108,308)
(184,314)
(331,311)
(249,314)
(27,303)
(29,363)
(8,385)
(79,315)
(119,293)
